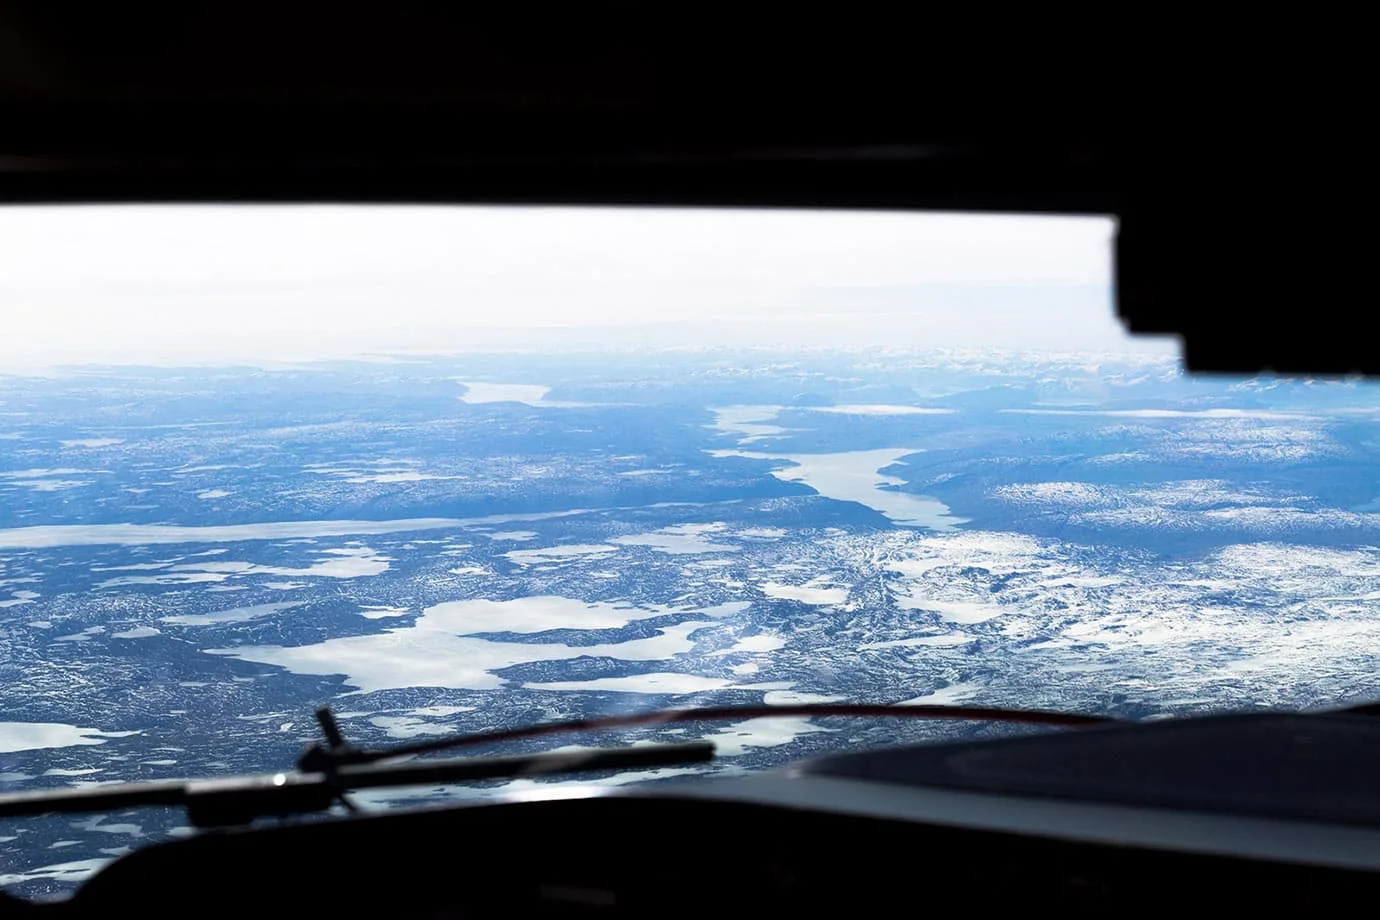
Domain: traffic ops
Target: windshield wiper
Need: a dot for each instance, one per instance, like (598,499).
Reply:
(336,753)
(326,772)
(241,799)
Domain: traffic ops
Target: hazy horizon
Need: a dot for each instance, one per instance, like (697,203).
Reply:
(194,285)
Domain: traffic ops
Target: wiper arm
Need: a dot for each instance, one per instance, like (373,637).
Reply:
(336,753)
(240,799)
(326,772)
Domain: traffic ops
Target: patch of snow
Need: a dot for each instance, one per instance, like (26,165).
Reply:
(33,736)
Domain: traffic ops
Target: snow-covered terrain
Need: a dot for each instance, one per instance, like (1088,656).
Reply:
(191,561)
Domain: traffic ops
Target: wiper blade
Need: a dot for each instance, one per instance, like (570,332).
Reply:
(337,753)
(326,772)
(241,799)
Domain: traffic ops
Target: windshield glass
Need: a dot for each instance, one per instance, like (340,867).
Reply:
(458,469)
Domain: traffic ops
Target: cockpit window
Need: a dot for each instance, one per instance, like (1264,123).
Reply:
(454,469)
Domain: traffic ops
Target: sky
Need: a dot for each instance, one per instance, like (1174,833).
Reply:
(195,284)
